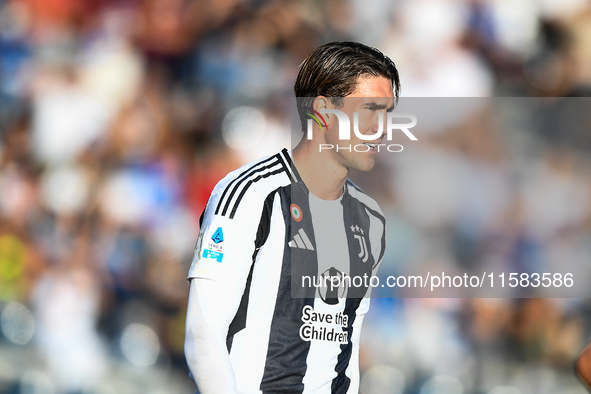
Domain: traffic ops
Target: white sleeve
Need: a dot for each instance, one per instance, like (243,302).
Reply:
(205,344)
(218,275)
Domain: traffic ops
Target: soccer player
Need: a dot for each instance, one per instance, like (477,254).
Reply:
(253,324)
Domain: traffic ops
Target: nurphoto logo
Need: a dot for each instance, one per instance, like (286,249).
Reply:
(345,129)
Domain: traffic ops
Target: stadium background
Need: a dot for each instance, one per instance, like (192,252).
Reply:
(115,125)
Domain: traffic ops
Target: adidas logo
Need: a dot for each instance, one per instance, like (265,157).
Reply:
(301,241)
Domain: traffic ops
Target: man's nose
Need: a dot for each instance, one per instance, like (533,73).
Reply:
(381,118)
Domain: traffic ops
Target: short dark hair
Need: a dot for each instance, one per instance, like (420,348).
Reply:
(333,69)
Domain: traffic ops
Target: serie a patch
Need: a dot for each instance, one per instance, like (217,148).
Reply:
(213,249)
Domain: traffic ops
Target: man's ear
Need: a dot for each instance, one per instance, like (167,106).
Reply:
(319,103)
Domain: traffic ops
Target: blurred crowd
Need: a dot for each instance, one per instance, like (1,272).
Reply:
(117,118)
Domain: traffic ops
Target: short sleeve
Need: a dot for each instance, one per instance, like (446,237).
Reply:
(225,245)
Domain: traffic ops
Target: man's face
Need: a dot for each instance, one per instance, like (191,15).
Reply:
(373,95)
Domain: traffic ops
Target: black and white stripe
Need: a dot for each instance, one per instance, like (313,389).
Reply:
(235,191)
(264,343)
(290,167)
(372,208)
(239,321)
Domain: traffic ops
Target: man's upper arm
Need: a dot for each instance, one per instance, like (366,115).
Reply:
(226,244)
(223,256)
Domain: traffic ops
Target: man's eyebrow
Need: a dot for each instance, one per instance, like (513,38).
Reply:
(377,107)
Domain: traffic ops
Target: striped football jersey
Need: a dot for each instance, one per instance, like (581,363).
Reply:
(270,244)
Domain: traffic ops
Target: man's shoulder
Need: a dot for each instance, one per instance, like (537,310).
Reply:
(278,161)
(358,194)
(250,183)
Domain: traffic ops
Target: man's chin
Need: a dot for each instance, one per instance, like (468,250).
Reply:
(366,165)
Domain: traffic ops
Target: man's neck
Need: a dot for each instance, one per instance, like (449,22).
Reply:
(322,174)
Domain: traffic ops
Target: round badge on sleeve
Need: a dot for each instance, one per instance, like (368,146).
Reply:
(296,212)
